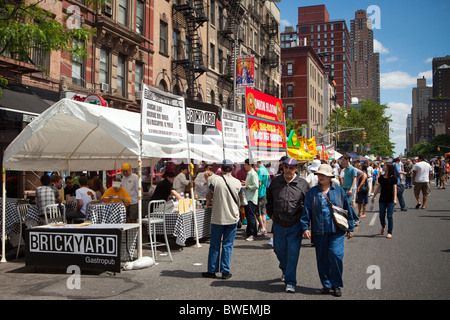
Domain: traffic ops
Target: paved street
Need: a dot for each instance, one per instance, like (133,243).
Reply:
(414,264)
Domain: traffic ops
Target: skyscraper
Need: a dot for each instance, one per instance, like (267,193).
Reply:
(365,63)
(331,40)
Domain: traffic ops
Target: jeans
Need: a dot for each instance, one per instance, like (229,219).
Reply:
(286,244)
(389,207)
(229,233)
(408,181)
(330,256)
(250,211)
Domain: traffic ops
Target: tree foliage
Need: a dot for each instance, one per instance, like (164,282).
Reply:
(437,147)
(372,117)
(24,25)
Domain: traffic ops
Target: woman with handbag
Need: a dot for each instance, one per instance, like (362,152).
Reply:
(321,217)
(387,183)
(362,192)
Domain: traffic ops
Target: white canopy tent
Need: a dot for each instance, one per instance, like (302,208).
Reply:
(76,136)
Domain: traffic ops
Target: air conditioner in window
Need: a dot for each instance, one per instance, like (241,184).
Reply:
(108,9)
(104,87)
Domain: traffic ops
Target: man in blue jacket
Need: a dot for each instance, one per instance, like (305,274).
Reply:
(285,198)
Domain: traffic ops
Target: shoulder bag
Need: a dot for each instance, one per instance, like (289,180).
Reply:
(340,215)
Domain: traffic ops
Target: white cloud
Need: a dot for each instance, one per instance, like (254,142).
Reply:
(378,47)
(285,23)
(428,60)
(391,59)
(398,112)
(401,80)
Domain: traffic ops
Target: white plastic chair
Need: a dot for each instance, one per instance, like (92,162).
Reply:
(53,214)
(22,210)
(156,214)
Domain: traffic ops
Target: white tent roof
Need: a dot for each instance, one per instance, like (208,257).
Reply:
(75,136)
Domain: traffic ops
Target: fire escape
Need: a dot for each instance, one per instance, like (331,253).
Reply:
(189,61)
(270,59)
(231,33)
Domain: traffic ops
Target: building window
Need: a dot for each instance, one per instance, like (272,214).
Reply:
(289,68)
(163,37)
(140,17)
(213,12)
(212,56)
(162,86)
(290,90)
(78,66)
(213,97)
(104,66)
(290,111)
(138,76)
(121,75)
(123,12)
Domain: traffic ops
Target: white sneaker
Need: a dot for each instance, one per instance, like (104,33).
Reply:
(271,242)
(290,288)
(251,238)
(282,277)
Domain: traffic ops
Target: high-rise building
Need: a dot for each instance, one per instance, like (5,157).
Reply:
(365,63)
(420,96)
(441,77)
(331,40)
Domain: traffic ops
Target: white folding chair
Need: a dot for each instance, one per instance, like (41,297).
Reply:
(156,214)
(55,213)
(22,210)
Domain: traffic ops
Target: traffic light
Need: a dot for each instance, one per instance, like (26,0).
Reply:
(364,136)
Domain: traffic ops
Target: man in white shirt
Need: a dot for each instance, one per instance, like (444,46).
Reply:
(421,181)
(180,182)
(83,196)
(369,178)
(130,182)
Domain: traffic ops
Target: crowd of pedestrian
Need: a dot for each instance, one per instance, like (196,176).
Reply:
(308,206)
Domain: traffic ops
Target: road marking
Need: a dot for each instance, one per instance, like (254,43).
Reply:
(372,222)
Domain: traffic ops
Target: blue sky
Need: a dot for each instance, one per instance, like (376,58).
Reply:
(410,34)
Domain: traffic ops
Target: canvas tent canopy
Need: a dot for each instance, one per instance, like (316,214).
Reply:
(77,136)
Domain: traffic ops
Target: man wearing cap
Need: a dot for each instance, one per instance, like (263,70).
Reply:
(285,198)
(130,182)
(226,194)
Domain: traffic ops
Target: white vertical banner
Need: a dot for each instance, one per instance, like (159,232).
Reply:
(163,114)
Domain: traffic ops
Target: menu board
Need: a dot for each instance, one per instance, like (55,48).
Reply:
(163,114)
(234,128)
(265,120)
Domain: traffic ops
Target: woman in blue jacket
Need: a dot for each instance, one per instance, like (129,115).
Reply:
(328,239)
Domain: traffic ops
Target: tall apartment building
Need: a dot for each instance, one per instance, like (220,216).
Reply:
(365,63)
(304,88)
(208,36)
(441,77)
(120,54)
(420,96)
(330,39)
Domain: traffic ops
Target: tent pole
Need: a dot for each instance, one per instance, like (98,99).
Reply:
(3,215)
(191,173)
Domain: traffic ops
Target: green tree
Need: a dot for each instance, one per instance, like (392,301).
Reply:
(24,25)
(293,125)
(372,117)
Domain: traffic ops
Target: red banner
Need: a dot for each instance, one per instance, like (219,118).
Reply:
(265,121)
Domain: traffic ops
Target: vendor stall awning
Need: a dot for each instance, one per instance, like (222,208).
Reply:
(18,98)
(298,154)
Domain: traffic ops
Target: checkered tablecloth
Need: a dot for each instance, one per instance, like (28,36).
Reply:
(181,225)
(107,213)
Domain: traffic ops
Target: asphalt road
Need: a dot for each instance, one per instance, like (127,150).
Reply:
(413,265)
